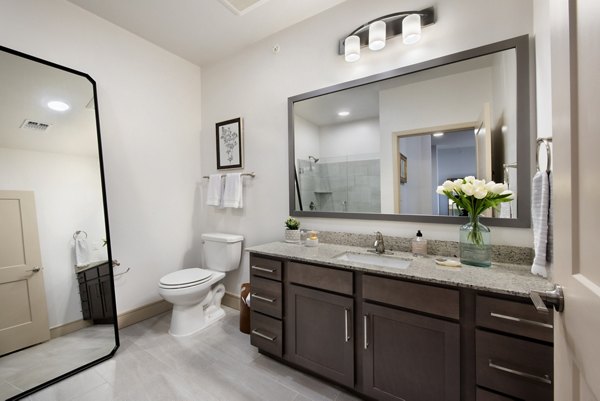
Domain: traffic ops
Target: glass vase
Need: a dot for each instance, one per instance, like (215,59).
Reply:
(475,245)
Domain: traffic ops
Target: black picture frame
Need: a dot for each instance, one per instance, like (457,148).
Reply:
(230,144)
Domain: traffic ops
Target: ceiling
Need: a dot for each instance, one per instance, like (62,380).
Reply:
(27,86)
(204,31)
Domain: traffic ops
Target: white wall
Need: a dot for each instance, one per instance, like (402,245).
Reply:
(149,106)
(68,198)
(415,194)
(307,141)
(353,138)
(263,80)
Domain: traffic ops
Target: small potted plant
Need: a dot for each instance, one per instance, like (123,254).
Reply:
(292,232)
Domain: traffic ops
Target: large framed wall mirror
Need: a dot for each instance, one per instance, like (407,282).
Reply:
(57,298)
(377,147)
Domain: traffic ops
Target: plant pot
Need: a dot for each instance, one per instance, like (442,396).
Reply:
(292,236)
(475,245)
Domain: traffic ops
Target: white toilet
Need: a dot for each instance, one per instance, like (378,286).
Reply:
(195,304)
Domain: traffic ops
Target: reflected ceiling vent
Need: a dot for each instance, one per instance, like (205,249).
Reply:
(241,7)
(35,126)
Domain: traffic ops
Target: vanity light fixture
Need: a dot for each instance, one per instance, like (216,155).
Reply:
(375,33)
(343,113)
(58,105)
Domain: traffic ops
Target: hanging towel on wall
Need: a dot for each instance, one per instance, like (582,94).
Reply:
(214,196)
(82,252)
(540,217)
(233,194)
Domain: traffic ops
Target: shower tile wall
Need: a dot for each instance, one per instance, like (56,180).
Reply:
(349,186)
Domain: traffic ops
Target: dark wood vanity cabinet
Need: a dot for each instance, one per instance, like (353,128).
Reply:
(395,339)
(95,292)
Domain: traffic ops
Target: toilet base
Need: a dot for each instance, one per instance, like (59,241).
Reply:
(187,320)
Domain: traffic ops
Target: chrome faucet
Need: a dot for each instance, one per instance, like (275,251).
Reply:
(379,245)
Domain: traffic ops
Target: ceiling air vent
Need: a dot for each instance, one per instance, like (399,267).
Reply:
(241,7)
(35,126)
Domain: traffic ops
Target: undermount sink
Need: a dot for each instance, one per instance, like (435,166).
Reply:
(377,260)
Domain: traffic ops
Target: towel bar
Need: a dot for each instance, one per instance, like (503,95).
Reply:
(252,174)
(546,142)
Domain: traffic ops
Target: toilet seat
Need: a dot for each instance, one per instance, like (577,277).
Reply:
(185,278)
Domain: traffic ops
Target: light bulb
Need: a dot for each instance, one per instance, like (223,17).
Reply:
(352,48)
(411,29)
(377,35)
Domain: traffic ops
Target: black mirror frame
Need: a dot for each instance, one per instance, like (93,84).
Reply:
(108,243)
(524,138)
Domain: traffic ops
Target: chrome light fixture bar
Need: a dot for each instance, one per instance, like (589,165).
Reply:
(375,33)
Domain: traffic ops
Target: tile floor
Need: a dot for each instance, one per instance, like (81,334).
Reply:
(27,368)
(217,364)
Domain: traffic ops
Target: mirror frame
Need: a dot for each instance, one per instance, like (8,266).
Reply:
(523,219)
(107,230)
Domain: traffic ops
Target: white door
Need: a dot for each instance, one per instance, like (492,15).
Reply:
(23,313)
(575,47)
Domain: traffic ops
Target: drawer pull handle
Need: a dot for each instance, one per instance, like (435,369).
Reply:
(365,332)
(261,335)
(261,298)
(525,321)
(263,269)
(346,321)
(545,379)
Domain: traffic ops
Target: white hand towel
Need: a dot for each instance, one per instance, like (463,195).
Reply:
(214,196)
(82,253)
(550,246)
(233,194)
(540,211)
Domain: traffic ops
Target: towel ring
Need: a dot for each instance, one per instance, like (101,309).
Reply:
(79,232)
(546,142)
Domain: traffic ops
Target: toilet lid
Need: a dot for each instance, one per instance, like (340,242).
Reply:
(185,278)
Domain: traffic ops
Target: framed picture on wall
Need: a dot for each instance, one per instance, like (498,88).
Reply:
(229,144)
(403,169)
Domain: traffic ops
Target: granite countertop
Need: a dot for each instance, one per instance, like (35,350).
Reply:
(79,269)
(502,278)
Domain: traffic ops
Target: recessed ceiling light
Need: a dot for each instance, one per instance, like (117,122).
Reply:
(57,105)
(343,113)
(438,134)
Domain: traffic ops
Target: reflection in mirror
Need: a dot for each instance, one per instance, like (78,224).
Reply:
(379,147)
(57,310)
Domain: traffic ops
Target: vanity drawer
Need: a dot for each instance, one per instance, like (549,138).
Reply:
(266,334)
(324,278)
(516,367)
(91,273)
(104,270)
(514,318)
(263,267)
(265,296)
(420,297)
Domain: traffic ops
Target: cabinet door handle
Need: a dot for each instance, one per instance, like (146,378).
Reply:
(261,335)
(261,298)
(520,320)
(263,269)
(346,321)
(542,379)
(365,331)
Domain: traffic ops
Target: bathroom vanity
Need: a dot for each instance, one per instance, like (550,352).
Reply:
(417,332)
(94,290)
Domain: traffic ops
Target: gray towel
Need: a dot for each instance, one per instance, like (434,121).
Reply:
(540,216)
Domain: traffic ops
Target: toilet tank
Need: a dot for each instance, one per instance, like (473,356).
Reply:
(222,252)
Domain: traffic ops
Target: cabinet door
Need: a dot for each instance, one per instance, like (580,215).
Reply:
(319,333)
(95,299)
(409,357)
(107,299)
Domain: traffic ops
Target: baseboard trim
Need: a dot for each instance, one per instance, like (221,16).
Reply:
(143,312)
(231,300)
(67,328)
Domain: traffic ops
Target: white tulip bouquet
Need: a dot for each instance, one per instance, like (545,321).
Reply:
(475,196)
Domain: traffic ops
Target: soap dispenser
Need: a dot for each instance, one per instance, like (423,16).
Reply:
(419,245)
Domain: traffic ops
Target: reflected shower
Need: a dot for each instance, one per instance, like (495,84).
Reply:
(314,159)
